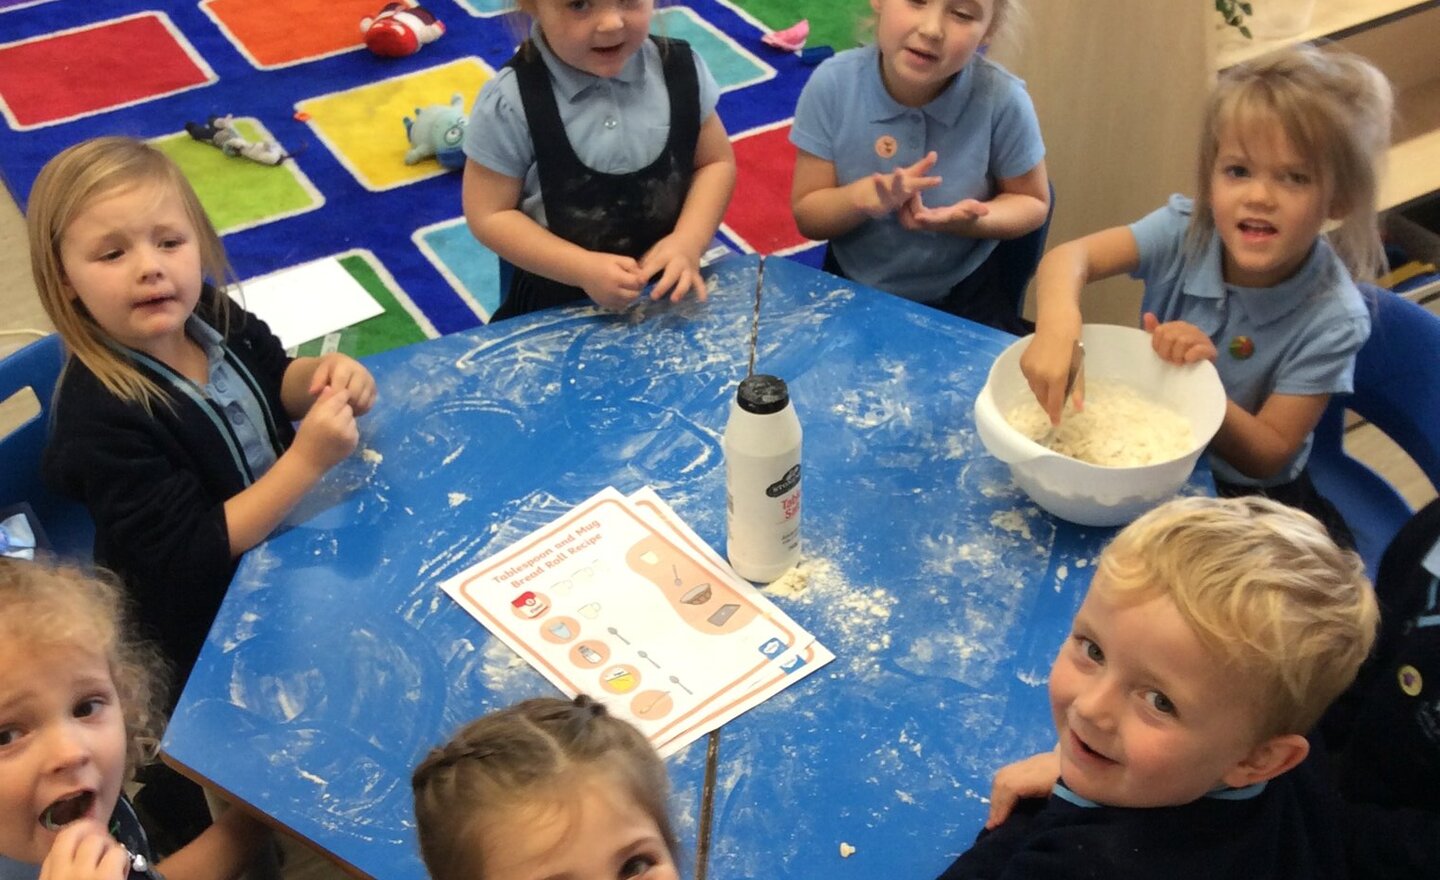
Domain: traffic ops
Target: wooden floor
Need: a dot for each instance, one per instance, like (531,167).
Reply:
(20,312)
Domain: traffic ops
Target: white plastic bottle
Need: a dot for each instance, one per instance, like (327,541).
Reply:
(762,480)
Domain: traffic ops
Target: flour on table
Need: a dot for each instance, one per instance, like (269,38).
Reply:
(1012,521)
(856,618)
(795,581)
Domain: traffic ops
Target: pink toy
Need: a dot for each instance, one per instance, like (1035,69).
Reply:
(791,39)
(398,30)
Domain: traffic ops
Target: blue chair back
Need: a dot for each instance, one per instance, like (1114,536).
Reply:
(1397,389)
(1016,259)
(66,523)
(13,870)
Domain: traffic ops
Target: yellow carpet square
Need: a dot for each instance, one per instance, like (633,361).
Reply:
(364,127)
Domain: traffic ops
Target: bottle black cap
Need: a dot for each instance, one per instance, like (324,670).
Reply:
(762,394)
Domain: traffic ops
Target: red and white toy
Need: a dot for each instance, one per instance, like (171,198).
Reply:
(398,30)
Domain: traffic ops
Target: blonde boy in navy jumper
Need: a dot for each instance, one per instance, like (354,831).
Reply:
(1213,636)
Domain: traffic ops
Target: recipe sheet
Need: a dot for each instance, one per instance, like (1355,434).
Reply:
(619,599)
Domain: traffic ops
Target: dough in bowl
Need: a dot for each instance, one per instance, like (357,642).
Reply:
(1119,427)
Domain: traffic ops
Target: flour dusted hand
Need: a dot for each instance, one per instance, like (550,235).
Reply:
(328,434)
(611,280)
(679,268)
(343,373)
(956,219)
(885,193)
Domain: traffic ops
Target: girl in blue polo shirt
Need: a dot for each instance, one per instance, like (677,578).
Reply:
(596,161)
(1244,274)
(916,154)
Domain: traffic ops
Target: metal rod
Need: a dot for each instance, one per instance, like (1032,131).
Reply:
(755,324)
(707,803)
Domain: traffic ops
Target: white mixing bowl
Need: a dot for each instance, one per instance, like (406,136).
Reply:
(1091,494)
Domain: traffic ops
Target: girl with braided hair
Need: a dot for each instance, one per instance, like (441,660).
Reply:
(545,788)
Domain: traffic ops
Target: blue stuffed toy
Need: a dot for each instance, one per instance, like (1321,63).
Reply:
(437,130)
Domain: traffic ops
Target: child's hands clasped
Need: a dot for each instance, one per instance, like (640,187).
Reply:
(328,433)
(1031,778)
(1179,342)
(611,280)
(679,269)
(887,192)
(84,850)
(343,373)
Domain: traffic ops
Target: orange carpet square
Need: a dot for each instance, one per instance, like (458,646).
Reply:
(277,33)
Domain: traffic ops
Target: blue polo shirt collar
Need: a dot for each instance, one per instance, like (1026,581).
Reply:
(571,82)
(1220,794)
(208,338)
(944,109)
(1261,305)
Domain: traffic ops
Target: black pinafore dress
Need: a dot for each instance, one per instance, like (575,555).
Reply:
(611,213)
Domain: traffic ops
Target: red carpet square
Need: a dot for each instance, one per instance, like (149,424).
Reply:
(55,77)
(759,217)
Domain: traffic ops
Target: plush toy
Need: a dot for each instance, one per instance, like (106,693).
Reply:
(438,131)
(220,131)
(398,30)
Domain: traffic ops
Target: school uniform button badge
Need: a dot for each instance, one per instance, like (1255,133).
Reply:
(885,146)
(1410,681)
(1241,347)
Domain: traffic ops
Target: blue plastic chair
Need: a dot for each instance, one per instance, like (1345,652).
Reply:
(1016,259)
(66,523)
(1397,389)
(13,870)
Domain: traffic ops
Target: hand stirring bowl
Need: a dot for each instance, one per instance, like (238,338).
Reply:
(1076,378)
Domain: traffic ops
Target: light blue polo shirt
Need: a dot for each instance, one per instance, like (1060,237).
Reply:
(982,127)
(616,125)
(232,390)
(1303,333)
(232,394)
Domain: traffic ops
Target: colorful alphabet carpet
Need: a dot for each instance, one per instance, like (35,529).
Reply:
(296,72)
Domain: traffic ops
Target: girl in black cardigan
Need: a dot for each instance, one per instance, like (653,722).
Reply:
(172,421)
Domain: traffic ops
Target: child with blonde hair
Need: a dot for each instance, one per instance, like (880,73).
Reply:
(916,155)
(1245,274)
(545,788)
(80,710)
(596,161)
(1213,636)
(172,419)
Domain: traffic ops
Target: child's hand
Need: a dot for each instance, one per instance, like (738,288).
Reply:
(1033,777)
(955,219)
(328,433)
(344,373)
(680,270)
(1046,366)
(884,193)
(1179,342)
(611,280)
(84,850)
